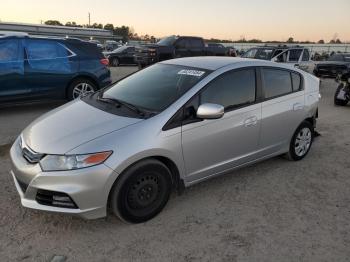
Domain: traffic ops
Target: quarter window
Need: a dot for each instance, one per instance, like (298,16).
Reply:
(9,50)
(43,49)
(231,90)
(276,82)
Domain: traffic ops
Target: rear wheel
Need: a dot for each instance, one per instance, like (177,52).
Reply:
(337,101)
(80,87)
(301,141)
(141,192)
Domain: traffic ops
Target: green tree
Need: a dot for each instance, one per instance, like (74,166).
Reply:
(72,24)
(109,27)
(338,41)
(122,31)
(290,40)
(96,25)
(321,41)
(53,22)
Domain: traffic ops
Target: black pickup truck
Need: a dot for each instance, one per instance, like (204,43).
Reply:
(175,47)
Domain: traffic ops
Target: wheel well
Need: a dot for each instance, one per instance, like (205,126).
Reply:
(91,79)
(175,174)
(311,120)
(177,182)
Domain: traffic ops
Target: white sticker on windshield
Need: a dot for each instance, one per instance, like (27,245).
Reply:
(191,72)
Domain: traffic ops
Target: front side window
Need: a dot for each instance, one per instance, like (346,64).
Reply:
(44,49)
(231,90)
(196,43)
(9,50)
(276,82)
(294,55)
(156,87)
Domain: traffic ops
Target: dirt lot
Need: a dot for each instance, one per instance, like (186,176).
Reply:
(273,211)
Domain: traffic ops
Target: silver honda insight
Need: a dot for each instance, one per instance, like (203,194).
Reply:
(166,127)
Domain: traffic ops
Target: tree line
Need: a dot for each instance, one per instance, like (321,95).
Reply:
(127,33)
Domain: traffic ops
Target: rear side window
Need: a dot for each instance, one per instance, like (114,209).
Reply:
(294,55)
(182,43)
(296,80)
(306,55)
(9,50)
(43,49)
(276,82)
(231,90)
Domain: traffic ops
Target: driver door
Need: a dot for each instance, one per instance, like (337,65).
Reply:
(213,146)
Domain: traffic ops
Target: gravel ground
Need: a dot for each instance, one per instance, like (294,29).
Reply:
(273,211)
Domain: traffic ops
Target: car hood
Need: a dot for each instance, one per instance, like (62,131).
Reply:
(71,125)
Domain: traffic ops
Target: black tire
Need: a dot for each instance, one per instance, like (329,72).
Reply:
(339,102)
(293,154)
(115,62)
(141,192)
(75,83)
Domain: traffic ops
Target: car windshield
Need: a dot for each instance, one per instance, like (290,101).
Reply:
(259,53)
(167,40)
(156,87)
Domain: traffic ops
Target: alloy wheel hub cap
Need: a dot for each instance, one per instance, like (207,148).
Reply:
(303,142)
(82,89)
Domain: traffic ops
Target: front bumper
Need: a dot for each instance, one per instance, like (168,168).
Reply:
(145,59)
(87,187)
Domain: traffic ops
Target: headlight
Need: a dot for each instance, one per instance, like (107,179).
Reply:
(71,162)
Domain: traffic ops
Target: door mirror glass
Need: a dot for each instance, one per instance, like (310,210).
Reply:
(210,111)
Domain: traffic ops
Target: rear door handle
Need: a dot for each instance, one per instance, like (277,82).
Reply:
(251,121)
(297,106)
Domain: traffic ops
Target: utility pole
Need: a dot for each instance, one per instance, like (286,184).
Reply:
(89,19)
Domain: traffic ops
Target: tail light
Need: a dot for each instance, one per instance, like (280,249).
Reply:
(104,61)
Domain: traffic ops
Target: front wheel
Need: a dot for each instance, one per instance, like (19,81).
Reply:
(301,141)
(141,192)
(337,101)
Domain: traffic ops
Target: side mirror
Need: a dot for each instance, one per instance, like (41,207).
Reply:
(210,111)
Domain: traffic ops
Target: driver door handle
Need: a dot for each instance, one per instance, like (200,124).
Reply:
(251,121)
(297,106)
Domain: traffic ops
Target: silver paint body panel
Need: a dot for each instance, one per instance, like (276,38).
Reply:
(199,150)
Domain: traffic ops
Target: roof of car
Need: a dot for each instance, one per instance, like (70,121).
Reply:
(214,62)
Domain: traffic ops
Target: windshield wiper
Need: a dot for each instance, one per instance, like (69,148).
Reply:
(119,103)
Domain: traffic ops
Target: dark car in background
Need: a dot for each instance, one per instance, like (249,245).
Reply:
(336,65)
(175,47)
(41,68)
(121,56)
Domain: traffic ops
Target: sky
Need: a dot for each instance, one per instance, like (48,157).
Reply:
(225,19)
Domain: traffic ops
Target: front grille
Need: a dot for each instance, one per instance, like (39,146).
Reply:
(55,199)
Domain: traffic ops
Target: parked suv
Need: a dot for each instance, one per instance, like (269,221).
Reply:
(38,68)
(297,56)
(171,125)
